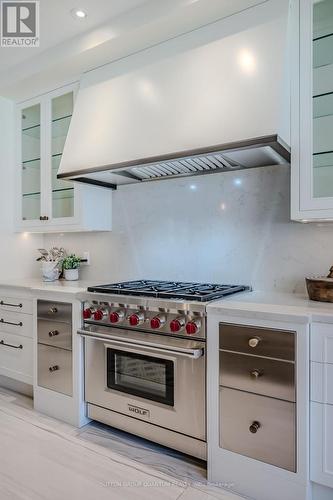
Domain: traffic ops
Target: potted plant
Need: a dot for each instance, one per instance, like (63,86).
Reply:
(51,262)
(71,265)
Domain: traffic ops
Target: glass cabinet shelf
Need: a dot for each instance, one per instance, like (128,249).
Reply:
(61,118)
(323,51)
(31,161)
(32,127)
(323,105)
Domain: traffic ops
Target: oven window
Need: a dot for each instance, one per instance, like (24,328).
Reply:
(145,376)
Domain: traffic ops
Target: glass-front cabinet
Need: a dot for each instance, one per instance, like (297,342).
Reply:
(31,153)
(62,191)
(312,110)
(46,203)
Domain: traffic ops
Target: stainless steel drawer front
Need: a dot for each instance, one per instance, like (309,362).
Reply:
(55,369)
(55,333)
(278,344)
(258,375)
(258,427)
(58,311)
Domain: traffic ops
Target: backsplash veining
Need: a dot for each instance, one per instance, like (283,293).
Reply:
(232,227)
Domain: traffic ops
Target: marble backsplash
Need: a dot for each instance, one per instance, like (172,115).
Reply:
(225,228)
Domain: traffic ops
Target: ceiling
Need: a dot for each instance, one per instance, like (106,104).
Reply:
(112,30)
(57,24)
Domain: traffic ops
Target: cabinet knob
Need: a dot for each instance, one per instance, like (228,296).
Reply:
(254,341)
(53,310)
(53,333)
(254,427)
(256,373)
(54,368)
(43,217)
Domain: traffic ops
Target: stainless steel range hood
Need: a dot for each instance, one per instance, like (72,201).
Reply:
(212,100)
(258,152)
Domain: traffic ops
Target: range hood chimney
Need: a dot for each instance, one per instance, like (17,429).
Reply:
(209,101)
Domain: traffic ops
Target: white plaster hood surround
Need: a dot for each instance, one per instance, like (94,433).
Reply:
(211,100)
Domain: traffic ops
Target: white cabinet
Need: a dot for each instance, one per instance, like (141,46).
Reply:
(321,443)
(321,433)
(16,332)
(247,476)
(312,110)
(47,204)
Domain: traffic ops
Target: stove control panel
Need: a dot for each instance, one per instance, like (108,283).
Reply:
(163,321)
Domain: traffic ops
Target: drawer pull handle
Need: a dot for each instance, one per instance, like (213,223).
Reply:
(53,310)
(54,368)
(256,373)
(2,303)
(2,342)
(254,341)
(10,323)
(53,333)
(254,427)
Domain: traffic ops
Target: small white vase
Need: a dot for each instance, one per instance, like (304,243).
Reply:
(50,271)
(71,274)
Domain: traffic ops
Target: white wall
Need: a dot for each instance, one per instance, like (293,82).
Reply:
(230,227)
(17,251)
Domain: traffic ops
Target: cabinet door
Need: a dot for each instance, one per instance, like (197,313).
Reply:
(30,162)
(48,204)
(312,190)
(322,101)
(321,468)
(62,191)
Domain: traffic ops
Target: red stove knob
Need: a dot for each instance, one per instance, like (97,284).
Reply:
(177,324)
(99,314)
(193,327)
(114,317)
(117,316)
(136,319)
(157,322)
(87,313)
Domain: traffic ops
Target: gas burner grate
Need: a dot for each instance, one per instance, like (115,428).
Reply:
(202,292)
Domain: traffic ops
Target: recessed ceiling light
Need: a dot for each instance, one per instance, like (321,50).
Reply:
(78,13)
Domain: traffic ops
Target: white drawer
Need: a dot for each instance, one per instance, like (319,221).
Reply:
(322,382)
(322,342)
(321,464)
(17,323)
(16,357)
(15,304)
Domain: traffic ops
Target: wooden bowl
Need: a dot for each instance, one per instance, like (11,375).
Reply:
(320,289)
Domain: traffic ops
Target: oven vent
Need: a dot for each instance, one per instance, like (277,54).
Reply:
(258,152)
(185,166)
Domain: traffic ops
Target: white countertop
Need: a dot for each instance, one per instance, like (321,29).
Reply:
(275,303)
(37,285)
(256,303)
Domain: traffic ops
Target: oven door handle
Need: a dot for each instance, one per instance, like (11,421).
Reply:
(194,353)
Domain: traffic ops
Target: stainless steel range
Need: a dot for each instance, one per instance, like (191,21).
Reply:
(145,369)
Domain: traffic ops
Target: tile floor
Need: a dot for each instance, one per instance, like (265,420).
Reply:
(42,458)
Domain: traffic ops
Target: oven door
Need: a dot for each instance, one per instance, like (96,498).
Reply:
(154,378)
